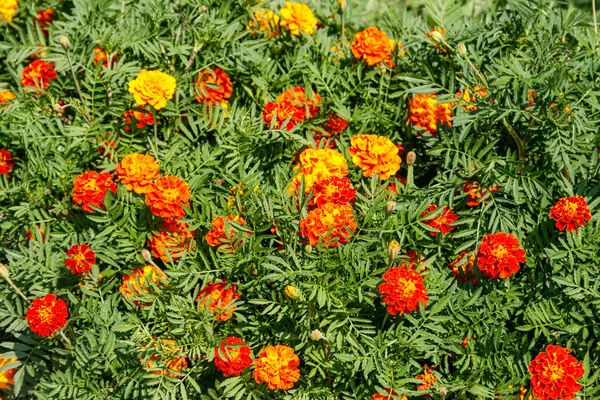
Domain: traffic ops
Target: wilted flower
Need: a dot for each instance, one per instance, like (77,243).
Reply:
(292,292)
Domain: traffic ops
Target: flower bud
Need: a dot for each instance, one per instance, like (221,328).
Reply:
(65,43)
(146,255)
(316,335)
(390,207)
(292,292)
(411,157)
(342,4)
(462,49)
(203,9)
(393,251)
(3,271)
(437,36)
(443,391)
(308,248)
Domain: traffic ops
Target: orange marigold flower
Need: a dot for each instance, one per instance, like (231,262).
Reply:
(90,189)
(297,96)
(137,172)
(214,86)
(403,290)
(425,113)
(6,162)
(101,56)
(233,356)
(464,269)
(136,283)
(43,19)
(80,258)
(38,74)
(331,223)
(265,21)
(152,87)
(282,112)
(499,255)
(337,124)
(298,17)
(390,395)
(218,298)
(570,213)
(141,118)
(375,155)
(373,46)
(6,96)
(442,222)
(476,193)
(277,366)
(7,9)
(175,239)
(223,233)
(46,315)
(334,189)
(469,98)
(7,377)
(554,374)
(166,197)
(427,377)
(316,165)
(173,360)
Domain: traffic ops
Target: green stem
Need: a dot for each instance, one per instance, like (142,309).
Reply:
(87,114)
(516,138)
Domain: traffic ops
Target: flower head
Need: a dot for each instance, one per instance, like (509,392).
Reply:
(7,377)
(152,87)
(332,224)
(43,19)
(135,284)
(38,74)
(80,258)
(442,222)
(213,86)
(218,298)
(334,189)
(6,162)
(373,46)
(464,268)
(7,9)
(137,172)
(554,374)
(276,114)
(6,96)
(166,197)
(427,377)
(175,239)
(469,98)
(233,356)
(170,359)
(475,193)
(298,17)
(316,165)
(277,366)
(297,96)
(138,118)
(223,233)
(90,188)
(499,255)
(336,124)
(101,56)
(390,395)
(425,113)
(265,21)
(375,155)
(403,290)
(46,315)
(570,213)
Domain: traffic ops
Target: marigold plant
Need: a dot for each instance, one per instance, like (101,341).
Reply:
(80,258)
(331,224)
(570,213)
(277,367)
(152,87)
(375,155)
(137,172)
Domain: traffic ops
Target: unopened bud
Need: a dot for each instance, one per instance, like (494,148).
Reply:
(411,157)
(393,251)
(443,391)
(292,292)
(146,255)
(462,49)
(342,4)
(65,43)
(316,335)
(390,207)
(308,248)
(203,9)
(57,108)
(3,271)
(437,36)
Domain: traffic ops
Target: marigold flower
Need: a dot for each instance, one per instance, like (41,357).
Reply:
(437,36)
(277,366)
(152,87)
(135,284)
(166,197)
(282,112)
(101,56)
(475,193)
(223,234)
(172,361)
(442,222)
(218,299)
(469,98)
(425,113)
(90,189)
(6,162)
(38,74)
(427,377)
(499,255)
(373,46)
(174,239)
(464,269)
(403,290)
(292,292)
(6,96)
(7,9)
(233,356)
(140,118)
(333,190)
(137,172)
(214,86)
(331,223)
(316,165)
(390,395)
(266,21)
(43,19)
(570,213)
(554,374)
(7,377)
(337,124)
(46,315)
(375,155)
(80,258)
(298,17)
(297,96)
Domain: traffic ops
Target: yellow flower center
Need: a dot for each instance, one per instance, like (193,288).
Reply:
(499,252)
(45,314)
(79,258)
(555,372)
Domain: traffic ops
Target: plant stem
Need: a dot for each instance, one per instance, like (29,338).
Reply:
(594,18)
(65,339)
(16,289)
(155,148)
(517,139)
(87,114)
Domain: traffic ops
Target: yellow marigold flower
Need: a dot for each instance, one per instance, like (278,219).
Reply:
(375,155)
(6,95)
(265,21)
(298,17)
(7,9)
(277,366)
(292,292)
(137,172)
(152,87)
(7,377)
(318,164)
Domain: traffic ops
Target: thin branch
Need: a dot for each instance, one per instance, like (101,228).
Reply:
(516,138)
(87,114)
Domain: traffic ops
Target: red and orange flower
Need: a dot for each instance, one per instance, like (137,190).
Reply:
(43,19)
(334,189)
(476,193)
(554,374)
(138,118)
(332,224)
(403,290)
(38,74)
(426,113)
(80,258)
(6,162)
(224,234)
(7,377)
(101,56)
(275,115)
(336,124)
(373,46)
(297,96)
(135,284)
(214,86)
(499,255)
(375,155)
(570,213)
(218,298)
(464,269)
(170,363)
(316,165)
(167,196)
(442,222)
(46,315)
(137,172)
(90,189)
(6,96)
(175,239)
(233,356)
(277,366)
(427,377)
